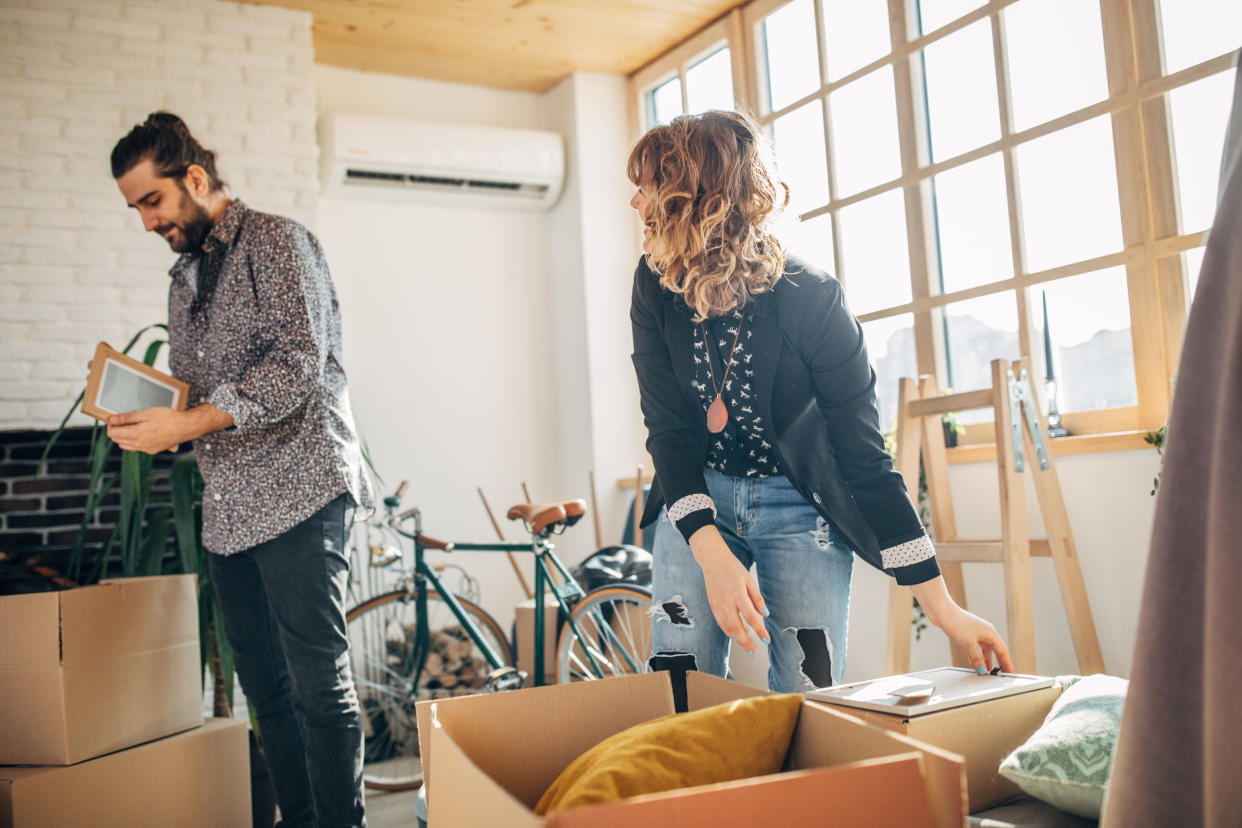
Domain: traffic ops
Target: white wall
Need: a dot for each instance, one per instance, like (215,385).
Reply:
(75,264)
(593,247)
(467,336)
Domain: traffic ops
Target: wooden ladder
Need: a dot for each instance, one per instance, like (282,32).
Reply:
(1019,422)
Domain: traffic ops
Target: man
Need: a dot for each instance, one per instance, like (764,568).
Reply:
(254,328)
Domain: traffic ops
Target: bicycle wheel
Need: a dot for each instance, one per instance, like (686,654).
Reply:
(381,642)
(615,626)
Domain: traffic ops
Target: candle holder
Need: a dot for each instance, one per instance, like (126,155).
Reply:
(1055,429)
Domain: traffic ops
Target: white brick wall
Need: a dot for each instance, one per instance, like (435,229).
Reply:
(75,264)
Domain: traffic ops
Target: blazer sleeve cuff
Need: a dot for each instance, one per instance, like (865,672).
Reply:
(911,562)
(691,513)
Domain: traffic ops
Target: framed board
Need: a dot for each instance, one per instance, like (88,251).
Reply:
(950,687)
(119,383)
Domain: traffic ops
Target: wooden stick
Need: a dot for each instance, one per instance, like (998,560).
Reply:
(599,543)
(526,492)
(638,506)
(517,570)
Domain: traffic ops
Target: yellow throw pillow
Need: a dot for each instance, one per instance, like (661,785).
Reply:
(734,740)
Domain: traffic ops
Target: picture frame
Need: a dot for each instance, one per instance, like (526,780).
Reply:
(119,383)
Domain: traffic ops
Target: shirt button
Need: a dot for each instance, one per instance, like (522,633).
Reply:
(207,446)
(200,354)
(815,496)
(215,496)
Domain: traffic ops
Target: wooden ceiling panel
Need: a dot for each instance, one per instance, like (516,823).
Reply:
(526,45)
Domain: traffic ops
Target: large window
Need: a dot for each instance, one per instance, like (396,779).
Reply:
(991,179)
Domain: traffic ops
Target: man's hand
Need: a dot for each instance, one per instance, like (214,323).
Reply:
(153,430)
(149,430)
(732,592)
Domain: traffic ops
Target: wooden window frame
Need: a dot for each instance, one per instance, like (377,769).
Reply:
(1146,183)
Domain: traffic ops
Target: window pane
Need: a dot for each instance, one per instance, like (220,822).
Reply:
(1056,58)
(855,34)
(664,102)
(972,219)
(793,59)
(801,159)
(812,241)
(935,13)
(977,332)
(864,133)
(1092,353)
(1192,263)
(1200,113)
(1196,30)
(890,347)
(961,91)
(1068,192)
(875,258)
(709,83)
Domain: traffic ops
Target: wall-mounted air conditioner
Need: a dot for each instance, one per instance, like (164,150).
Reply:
(366,156)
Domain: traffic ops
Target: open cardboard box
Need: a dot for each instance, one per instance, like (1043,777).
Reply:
(983,732)
(487,759)
(196,779)
(87,671)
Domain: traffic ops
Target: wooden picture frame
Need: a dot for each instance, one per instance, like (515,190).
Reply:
(120,383)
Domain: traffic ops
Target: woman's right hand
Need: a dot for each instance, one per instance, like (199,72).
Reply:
(732,591)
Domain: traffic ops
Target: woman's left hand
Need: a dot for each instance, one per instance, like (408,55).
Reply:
(982,643)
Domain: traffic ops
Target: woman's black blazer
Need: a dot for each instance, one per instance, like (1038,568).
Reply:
(816,389)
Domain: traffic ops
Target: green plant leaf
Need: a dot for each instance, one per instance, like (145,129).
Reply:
(155,542)
(186,484)
(153,351)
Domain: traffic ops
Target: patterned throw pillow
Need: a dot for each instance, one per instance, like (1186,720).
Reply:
(1067,761)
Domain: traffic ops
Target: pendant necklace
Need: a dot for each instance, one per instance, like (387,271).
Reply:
(717,414)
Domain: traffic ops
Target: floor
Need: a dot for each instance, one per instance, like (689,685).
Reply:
(388,809)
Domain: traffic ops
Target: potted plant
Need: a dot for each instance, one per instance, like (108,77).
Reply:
(140,540)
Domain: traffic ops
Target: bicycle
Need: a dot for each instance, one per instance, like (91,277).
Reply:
(423,641)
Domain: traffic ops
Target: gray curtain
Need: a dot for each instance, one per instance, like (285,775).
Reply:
(1179,756)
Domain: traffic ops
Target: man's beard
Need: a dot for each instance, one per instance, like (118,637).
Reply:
(193,225)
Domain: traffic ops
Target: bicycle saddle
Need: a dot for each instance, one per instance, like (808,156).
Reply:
(541,517)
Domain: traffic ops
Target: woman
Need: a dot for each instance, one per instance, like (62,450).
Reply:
(760,408)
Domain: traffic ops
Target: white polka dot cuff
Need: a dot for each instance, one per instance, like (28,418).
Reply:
(908,553)
(690,503)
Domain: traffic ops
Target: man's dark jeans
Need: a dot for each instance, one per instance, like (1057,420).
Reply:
(284,611)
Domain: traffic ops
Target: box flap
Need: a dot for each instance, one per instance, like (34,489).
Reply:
(128,615)
(523,739)
(31,625)
(825,735)
(878,793)
(703,690)
(476,799)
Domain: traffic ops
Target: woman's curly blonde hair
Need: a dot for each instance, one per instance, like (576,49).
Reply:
(712,197)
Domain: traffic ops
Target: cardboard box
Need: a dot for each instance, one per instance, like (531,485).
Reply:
(196,779)
(524,638)
(487,759)
(93,670)
(983,733)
